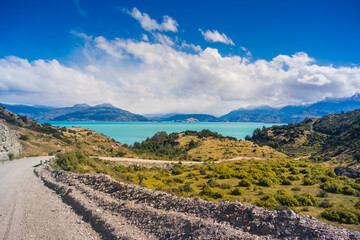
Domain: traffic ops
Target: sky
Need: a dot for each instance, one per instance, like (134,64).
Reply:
(166,56)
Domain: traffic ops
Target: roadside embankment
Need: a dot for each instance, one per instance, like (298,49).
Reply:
(127,211)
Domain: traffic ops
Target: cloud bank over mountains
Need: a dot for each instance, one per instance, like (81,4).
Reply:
(160,73)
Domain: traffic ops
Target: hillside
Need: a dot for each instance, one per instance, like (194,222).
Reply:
(100,113)
(28,111)
(332,136)
(43,139)
(78,112)
(199,146)
(294,113)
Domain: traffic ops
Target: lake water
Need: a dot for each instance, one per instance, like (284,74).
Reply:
(129,132)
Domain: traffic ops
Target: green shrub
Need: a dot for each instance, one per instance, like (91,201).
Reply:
(24,137)
(356,156)
(244,183)
(209,192)
(357,205)
(285,199)
(11,156)
(186,188)
(322,194)
(267,201)
(326,204)
(309,180)
(293,178)
(296,189)
(286,182)
(236,192)
(266,182)
(71,161)
(305,199)
(213,183)
(305,171)
(347,190)
(342,215)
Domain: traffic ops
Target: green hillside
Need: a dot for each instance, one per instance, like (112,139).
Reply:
(335,136)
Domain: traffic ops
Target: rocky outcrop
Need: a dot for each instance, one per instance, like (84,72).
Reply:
(348,172)
(9,143)
(127,211)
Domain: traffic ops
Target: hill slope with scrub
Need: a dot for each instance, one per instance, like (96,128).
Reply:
(334,136)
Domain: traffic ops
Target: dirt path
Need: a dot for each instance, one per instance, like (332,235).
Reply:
(152,161)
(30,210)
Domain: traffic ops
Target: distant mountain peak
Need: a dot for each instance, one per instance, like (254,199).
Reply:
(105,105)
(81,105)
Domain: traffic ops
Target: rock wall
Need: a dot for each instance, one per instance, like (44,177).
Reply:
(9,143)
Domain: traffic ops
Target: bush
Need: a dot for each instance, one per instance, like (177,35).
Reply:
(285,199)
(11,156)
(342,215)
(296,189)
(186,187)
(244,183)
(212,183)
(347,190)
(326,204)
(322,194)
(305,199)
(357,205)
(307,181)
(286,182)
(293,178)
(24,137)
(305,171)
(236,192)
(267,201)
(71,161)
(266,182)
(209,192)
(356,156)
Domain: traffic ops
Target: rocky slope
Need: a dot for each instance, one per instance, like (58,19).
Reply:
(9,143)
(126,211)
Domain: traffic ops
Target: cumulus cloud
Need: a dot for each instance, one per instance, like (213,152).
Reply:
(215,36)
(168,24)
(158,77)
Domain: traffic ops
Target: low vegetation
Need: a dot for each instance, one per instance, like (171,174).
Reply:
(333,137)
(306,187)
(199,146)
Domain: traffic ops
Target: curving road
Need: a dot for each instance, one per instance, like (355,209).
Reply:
(29,210)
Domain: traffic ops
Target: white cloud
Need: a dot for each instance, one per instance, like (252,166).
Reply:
(162,38)
(145,37)
(92,68)
(149,24)
(148,77)
(215,36)
(196,48)
(247,52)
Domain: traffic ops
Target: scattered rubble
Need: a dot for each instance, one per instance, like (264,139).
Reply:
(128,211)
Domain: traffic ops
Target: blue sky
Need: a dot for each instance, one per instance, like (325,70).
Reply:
(315,42)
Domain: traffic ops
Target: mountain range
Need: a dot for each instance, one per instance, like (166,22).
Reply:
(78,112)
(107,112)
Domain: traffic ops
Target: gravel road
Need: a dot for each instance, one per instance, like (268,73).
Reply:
(30,210)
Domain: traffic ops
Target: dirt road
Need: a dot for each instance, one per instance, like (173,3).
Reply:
(30,210)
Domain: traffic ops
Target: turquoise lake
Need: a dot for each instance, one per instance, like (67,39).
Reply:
(129,132)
